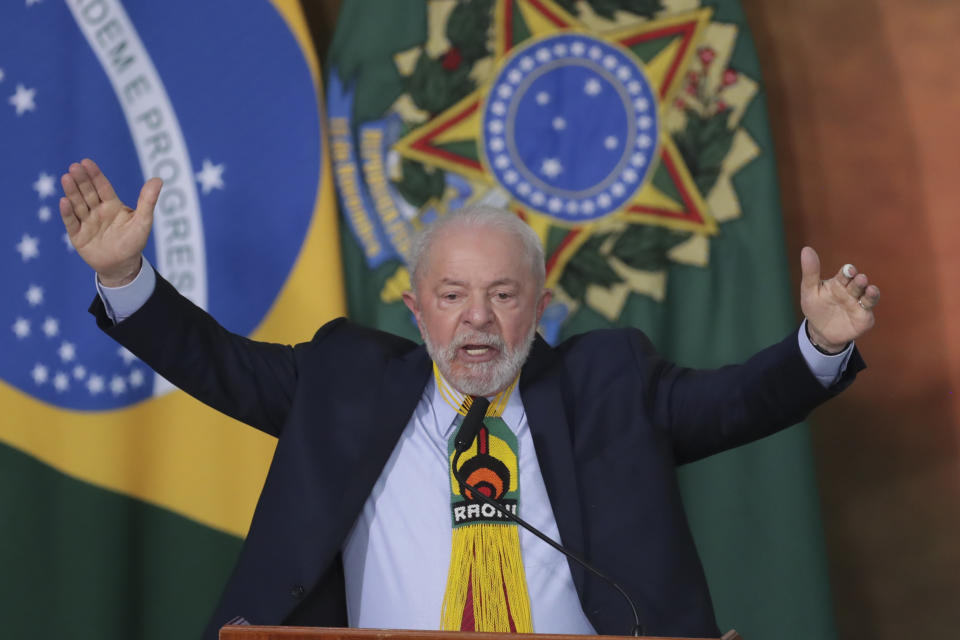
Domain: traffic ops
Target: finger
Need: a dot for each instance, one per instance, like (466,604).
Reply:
(809,270)
(100,183)
(149,195)
(72,192)
(858,285)
(70,221)
(85,185)
(846,274)
(870,298)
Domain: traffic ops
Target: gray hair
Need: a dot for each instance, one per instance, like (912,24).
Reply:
(478,217)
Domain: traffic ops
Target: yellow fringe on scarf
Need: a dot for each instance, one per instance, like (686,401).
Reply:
(489,556)
(486,554)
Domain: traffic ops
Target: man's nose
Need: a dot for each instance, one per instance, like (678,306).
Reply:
(479,313)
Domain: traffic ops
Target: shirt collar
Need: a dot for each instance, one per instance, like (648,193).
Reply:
(446,402)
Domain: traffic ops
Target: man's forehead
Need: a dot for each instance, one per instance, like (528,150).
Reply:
(476,256)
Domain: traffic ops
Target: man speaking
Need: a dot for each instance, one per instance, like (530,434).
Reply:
(362,521)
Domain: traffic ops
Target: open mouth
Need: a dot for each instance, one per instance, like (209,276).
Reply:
(478,351)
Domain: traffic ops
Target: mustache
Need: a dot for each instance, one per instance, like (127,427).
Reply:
(477,338)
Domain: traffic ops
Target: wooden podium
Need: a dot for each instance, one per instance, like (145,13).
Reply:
(326,633)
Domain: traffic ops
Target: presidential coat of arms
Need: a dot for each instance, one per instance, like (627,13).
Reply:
(611,126)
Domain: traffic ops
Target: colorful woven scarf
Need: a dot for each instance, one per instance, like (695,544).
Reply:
(486,584)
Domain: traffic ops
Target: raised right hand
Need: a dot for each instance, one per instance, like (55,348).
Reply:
(107,234)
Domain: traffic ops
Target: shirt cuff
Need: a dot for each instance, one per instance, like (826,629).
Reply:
(826,368)
(122,302)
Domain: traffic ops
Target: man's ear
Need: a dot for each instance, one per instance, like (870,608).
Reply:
(545,298)
(410,299)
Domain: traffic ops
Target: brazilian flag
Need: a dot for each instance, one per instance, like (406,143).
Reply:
(122,501)
(632,136)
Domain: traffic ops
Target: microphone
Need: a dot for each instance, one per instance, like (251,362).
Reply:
(465,436)
(471,424)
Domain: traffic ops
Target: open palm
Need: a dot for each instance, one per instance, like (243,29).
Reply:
(107,234)
(838,310)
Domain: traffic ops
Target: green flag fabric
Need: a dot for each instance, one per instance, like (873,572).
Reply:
(632,136)
(122,501)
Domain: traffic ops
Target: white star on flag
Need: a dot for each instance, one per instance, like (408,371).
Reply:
(79,372)
(61,382)
(45,185)
(117,385)
(39,373)
(67,352)
(28,247)
(551,167)
(21,327)
(559,124)
(126,355)
(22,100)
(610,142)
(210,176)
(592,87)
(543,98)
(136,378)
(51,327)
(34,295)
(95,384)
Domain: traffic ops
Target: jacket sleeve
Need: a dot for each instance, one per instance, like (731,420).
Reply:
(708,411)
(250,381)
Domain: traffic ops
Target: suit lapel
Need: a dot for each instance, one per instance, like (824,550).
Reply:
(404,379)
(542,393)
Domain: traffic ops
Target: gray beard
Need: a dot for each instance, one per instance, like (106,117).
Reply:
(480,378)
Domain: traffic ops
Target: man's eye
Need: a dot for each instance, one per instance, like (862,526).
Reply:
(450,296)
(502,295)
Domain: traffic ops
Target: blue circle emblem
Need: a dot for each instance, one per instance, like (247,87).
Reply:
(570,127)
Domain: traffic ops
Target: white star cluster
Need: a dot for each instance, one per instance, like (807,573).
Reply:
(38,328)
(533,88)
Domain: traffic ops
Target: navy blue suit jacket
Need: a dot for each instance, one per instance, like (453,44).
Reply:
(610,421)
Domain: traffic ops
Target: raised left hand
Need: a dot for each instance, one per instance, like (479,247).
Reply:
(838,310)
